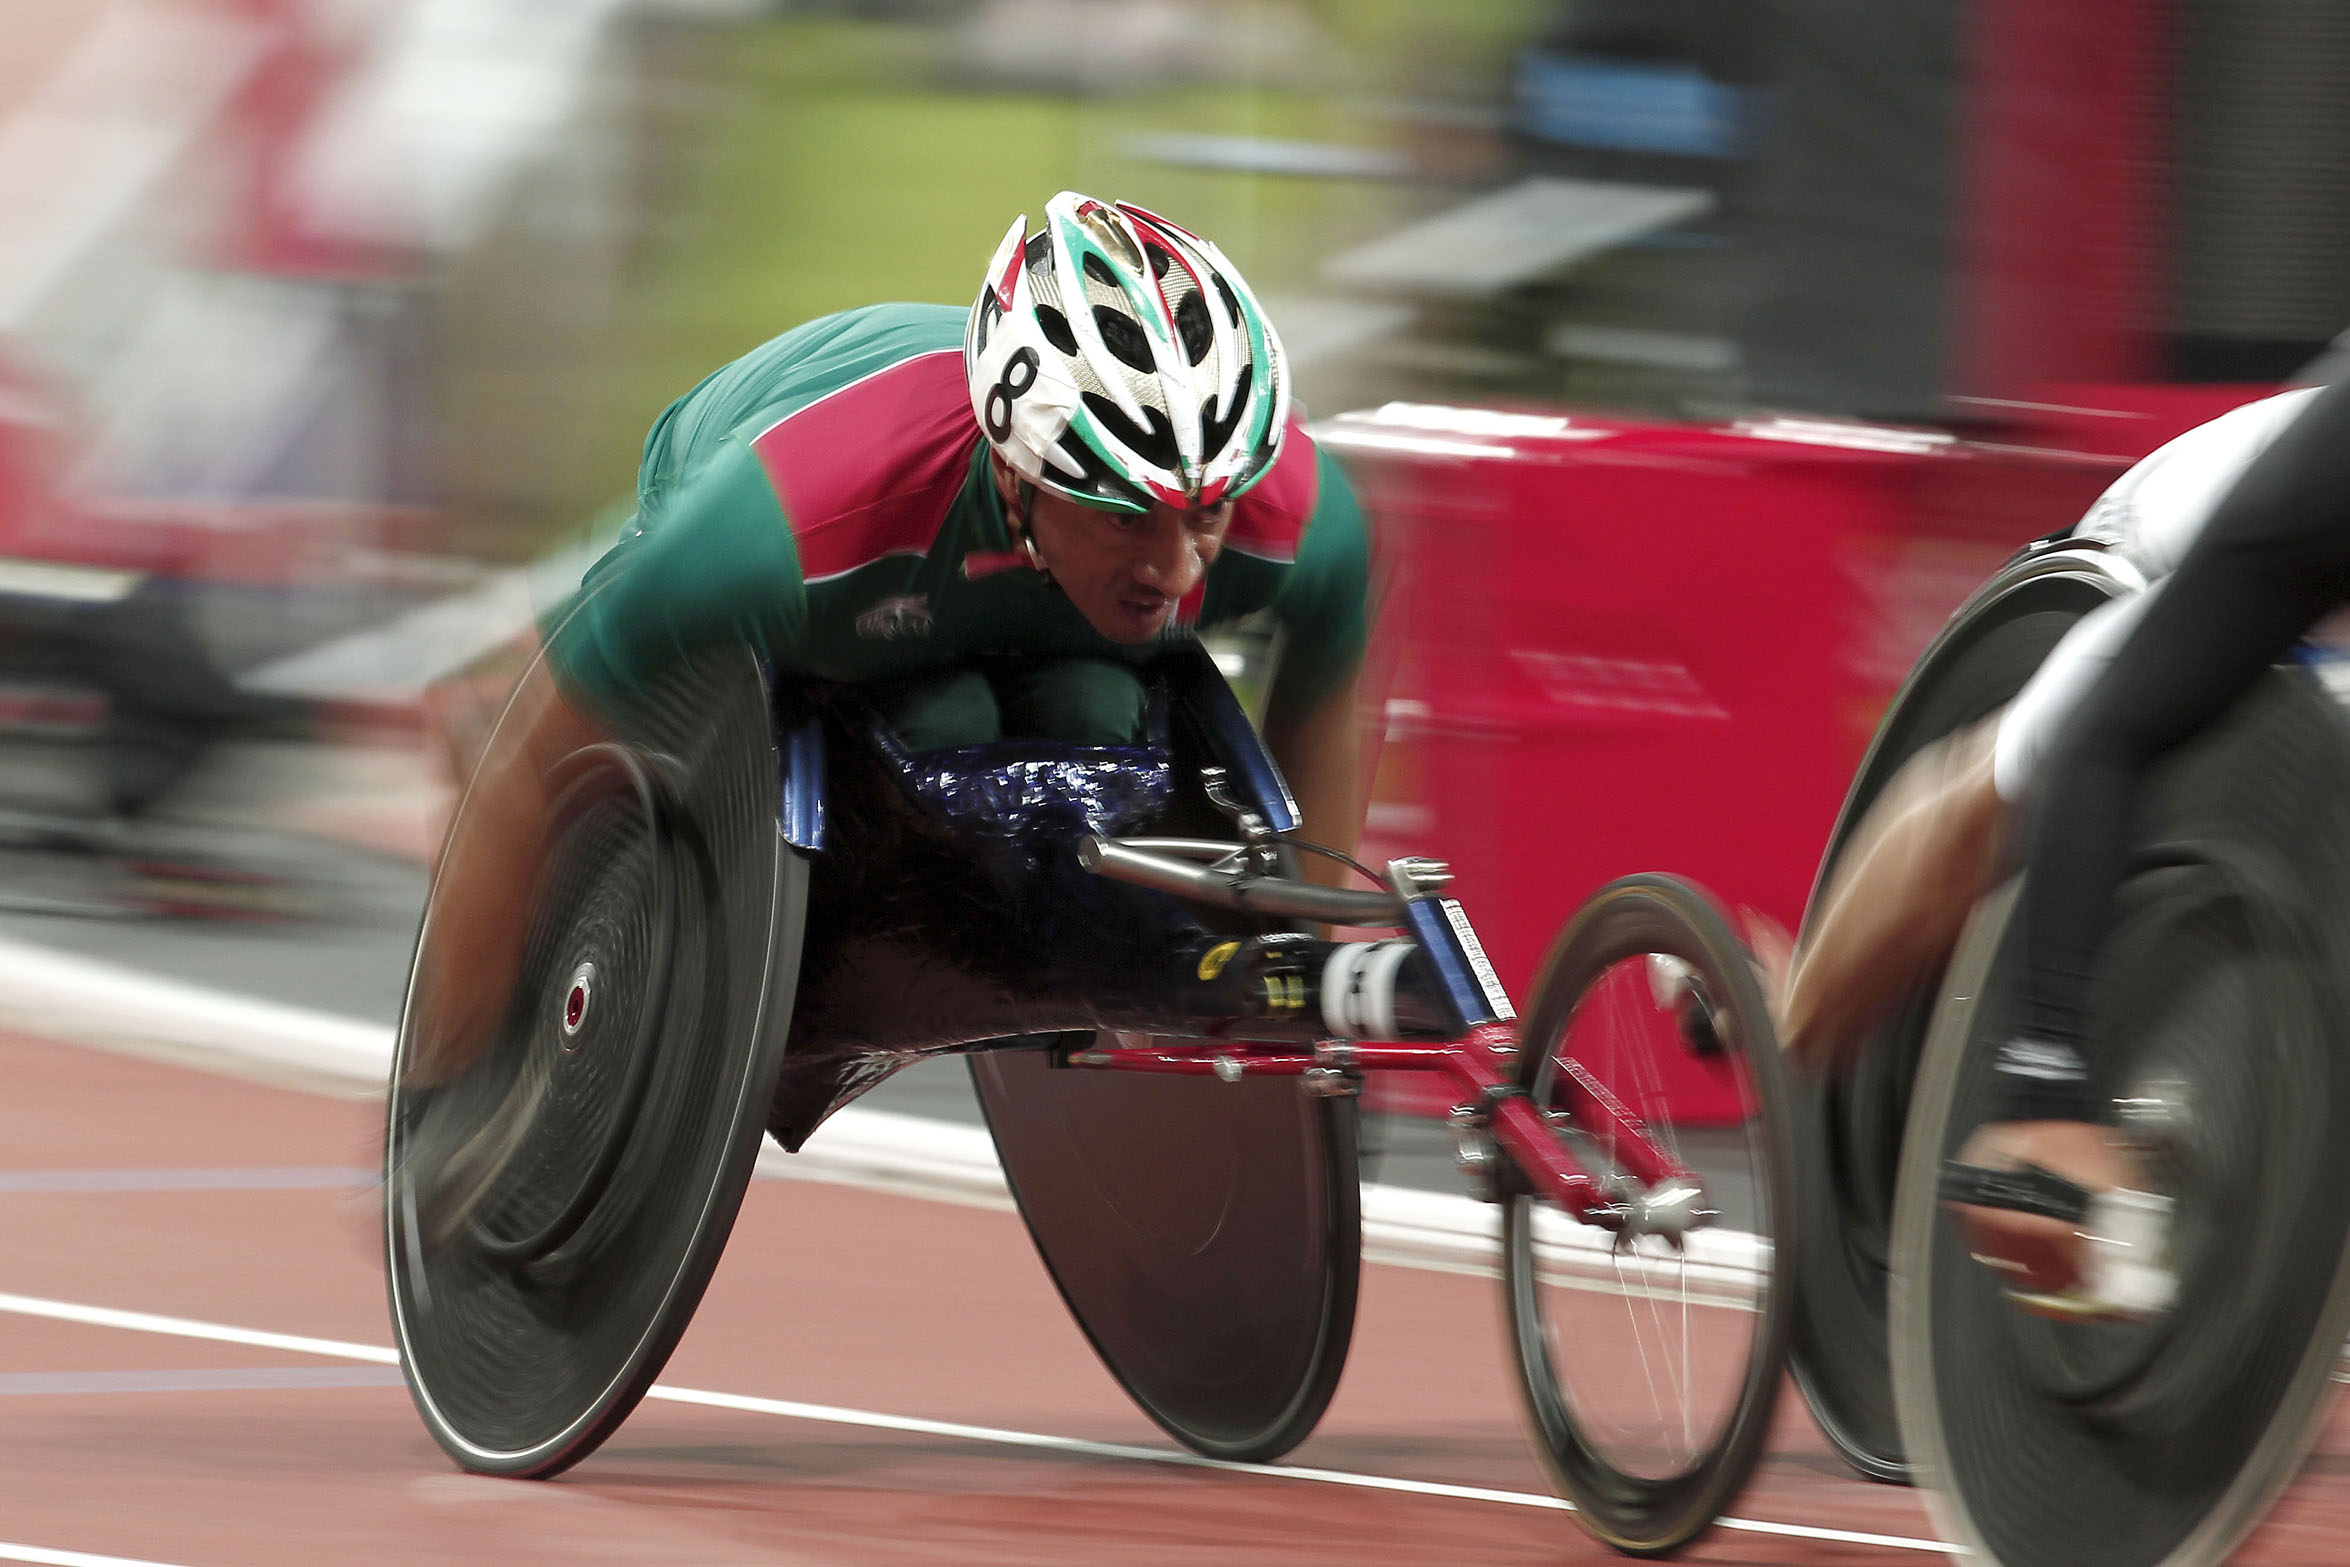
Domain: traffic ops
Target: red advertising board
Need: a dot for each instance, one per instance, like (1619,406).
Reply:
(1615,646)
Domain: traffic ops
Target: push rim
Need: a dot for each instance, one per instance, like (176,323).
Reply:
(603,994)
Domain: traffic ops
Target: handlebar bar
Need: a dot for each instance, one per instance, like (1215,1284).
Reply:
(1145,863)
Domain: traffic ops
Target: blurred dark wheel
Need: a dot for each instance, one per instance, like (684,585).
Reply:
(631,1078)
(2222,1012)
(592,998)
(1207,1237)
(1649,1369)
(1848,1128)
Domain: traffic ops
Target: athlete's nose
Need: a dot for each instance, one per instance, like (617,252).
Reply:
(1168,561)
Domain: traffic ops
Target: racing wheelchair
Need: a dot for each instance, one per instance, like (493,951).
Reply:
(757,903)
(2223,1025)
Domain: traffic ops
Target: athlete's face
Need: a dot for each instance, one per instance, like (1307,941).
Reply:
(1126,571)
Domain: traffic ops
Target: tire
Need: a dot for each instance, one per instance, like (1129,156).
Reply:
(1650,1463)
(1848,1127)
(627,1086)
(2221,1021)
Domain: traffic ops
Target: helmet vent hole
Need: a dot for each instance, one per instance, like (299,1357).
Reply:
(1099,270)
(1155,445)
(1037,254)
(1160,260)
(1055,327)
(1193,325)
(1231,301)
(1094,476)
(1216,426)
(1123,338)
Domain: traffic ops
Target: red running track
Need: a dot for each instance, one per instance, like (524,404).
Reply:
(129,1187)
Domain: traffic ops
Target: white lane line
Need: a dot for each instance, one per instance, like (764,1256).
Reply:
(830,1414)
(87,1001)
(204,1379)
(185,1327)
(259,1178)
(49,1558)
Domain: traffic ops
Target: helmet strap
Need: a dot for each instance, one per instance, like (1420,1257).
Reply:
(1018,493)
(1018,514)
(1016,517)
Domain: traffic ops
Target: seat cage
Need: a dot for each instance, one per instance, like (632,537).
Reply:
(947,908)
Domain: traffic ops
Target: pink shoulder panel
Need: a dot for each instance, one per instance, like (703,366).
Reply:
(871,469)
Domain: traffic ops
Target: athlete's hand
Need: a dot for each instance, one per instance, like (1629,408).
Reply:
(2032,1252)
(1773,952)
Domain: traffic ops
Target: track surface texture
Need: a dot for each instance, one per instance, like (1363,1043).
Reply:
(193,1372)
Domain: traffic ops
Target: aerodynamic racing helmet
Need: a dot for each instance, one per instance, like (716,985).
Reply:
(1120,360)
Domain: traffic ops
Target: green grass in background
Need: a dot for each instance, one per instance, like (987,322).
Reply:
(843,165)
(841,176)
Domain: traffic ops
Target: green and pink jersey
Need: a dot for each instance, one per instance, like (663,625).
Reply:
(826,499)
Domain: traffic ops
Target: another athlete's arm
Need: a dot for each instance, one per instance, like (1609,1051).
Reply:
(1901,892)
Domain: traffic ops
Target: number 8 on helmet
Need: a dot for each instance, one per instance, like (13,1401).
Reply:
(1119,360)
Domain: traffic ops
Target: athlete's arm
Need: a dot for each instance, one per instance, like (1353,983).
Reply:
(482,895)
(1310,712)
(1929,846)
(1316,744)
(719,570)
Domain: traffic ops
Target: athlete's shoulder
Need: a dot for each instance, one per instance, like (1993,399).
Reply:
(851,343)
(874,437)
(2156,509)
(1270,521)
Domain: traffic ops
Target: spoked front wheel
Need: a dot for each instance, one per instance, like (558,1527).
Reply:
(1650,1364)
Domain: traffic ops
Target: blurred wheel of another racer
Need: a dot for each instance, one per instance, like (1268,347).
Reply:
(2242,529)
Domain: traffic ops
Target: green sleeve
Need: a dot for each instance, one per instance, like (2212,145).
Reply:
(718,568)
(1321,603)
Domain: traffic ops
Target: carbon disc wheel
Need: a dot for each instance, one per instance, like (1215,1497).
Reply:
(574,1067)
(618,1108)
(1849,1127)
(1207,1237)
(2221,1024)
(1649,1367)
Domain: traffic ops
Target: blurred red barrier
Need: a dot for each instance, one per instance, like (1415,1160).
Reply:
(1624,647)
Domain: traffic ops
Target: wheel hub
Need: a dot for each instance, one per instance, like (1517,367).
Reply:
(578,998)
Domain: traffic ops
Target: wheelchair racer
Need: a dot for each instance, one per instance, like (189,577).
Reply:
(2242,527)
(988,517)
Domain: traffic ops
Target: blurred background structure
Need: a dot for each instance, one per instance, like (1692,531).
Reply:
(1701,353)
